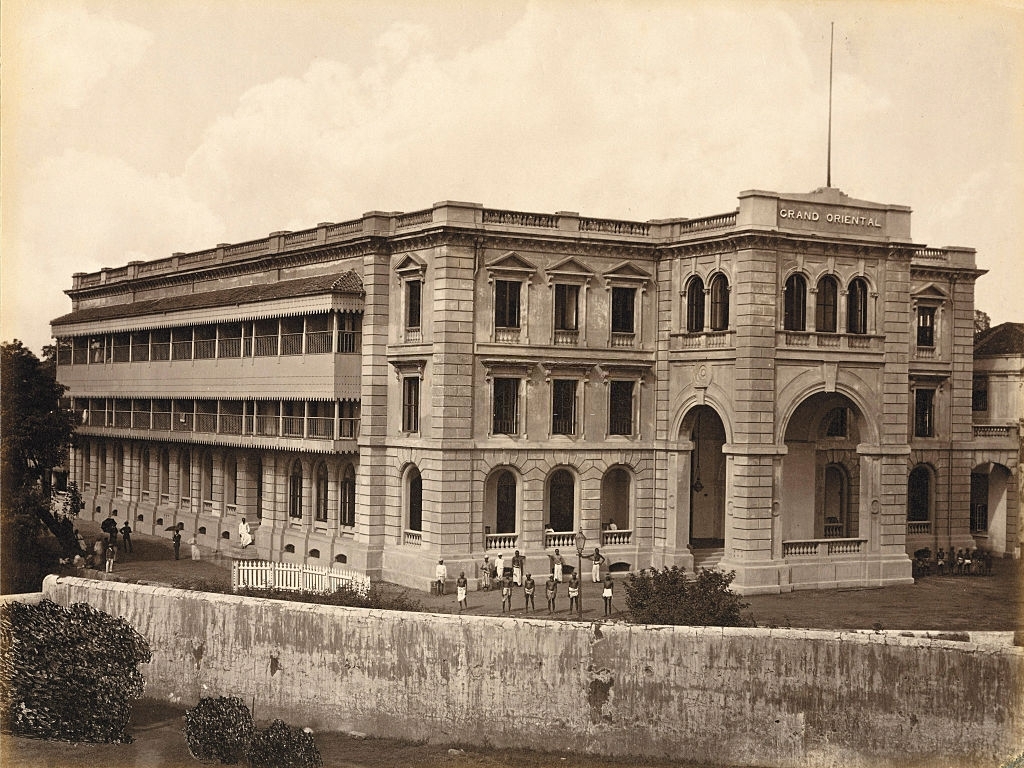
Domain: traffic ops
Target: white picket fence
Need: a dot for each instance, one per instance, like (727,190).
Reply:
(263,574)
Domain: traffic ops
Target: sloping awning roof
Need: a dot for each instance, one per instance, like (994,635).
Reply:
(1003,339)
(347,283)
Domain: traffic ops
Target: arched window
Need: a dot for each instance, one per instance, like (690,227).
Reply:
(118,468)
(144,473)
(415,500)
(165,474)
(826,305)
(835,501)
(562,500)
(206,478)
(505,503)
(87,463)
(320,512)
(719,303)
(919,495)
(295,490)
(185,475)
(695,305)
(795,304)
(230,479)
(857,306)
(347,497)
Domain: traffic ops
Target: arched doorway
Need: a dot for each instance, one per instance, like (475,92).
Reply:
(820,495)
(835,495)
(707,479)
(562,500)
(992,508)
(501,504)
(616,500)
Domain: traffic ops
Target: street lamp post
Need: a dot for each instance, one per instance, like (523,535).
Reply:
(581,542)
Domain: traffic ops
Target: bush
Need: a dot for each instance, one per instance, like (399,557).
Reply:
(219,729)
(379,596)
(282,747)
(68,673)
(672,597)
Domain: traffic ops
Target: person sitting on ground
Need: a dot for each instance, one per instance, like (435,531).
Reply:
(99,554)
(244,534)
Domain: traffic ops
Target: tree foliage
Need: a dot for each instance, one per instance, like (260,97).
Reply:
(68,673)
(37,431)
(671,596)
(35,439)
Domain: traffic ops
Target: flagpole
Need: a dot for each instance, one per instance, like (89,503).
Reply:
(828,168)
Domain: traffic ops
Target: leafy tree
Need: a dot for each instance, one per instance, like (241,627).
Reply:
(35,438)
(671,596)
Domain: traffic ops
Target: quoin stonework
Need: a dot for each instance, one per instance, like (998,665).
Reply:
(788,390)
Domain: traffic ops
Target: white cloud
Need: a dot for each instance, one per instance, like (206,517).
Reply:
(643,110)
(64,51)
(81,212)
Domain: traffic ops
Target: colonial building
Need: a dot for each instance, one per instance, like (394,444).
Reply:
(998,404)
(784,390)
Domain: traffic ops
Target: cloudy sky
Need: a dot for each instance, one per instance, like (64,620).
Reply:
(134,129)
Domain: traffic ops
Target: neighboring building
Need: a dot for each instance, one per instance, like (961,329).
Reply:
(998,405)
(784,390)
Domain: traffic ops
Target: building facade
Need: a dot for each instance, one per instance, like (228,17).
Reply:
(784,390)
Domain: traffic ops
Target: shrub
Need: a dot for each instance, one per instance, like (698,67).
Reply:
(282,747)
(379,596)
(68,673)
(219,729)
(672,597)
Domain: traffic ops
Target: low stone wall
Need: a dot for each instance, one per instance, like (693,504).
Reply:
(708,695)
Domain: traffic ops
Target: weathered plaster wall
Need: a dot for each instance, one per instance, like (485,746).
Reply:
(736,696)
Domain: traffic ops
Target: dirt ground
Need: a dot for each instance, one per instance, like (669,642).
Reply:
(949,603)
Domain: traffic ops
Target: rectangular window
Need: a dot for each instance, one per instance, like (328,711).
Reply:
(979,395)
(623,304)
(563,407)
(506,304)
(924,412)
(926,326)
(506,407)
(411,404)
(413,295)
(566,307)
(620,408)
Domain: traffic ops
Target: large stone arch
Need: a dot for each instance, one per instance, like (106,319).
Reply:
(819,380)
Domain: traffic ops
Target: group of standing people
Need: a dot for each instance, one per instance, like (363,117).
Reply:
(509,578)
(105,549)
(496,571)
